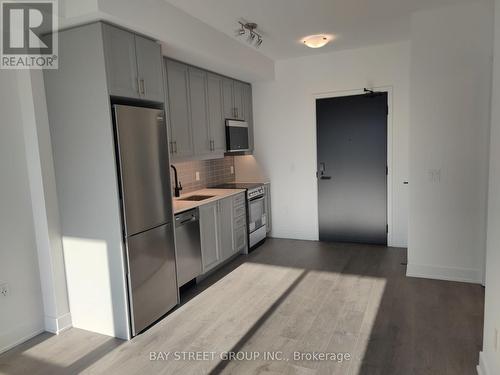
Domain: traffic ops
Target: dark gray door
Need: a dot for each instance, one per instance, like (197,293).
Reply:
(352,168)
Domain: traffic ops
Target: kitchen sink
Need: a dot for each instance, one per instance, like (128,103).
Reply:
(197,198)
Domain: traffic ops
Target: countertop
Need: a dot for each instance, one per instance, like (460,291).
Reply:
(181,206)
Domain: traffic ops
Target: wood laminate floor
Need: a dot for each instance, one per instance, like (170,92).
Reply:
(290,296)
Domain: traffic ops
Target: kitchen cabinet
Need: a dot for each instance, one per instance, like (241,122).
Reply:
(222,230)
(209,235)
(198,111)
(267,204)
(226,227)
(248,113)
(227,97)
(199,102)
(133,65)
(179,117)
(238,100)
(216,120)
(149,67)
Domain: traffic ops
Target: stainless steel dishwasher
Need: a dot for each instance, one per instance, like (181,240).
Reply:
(188,247)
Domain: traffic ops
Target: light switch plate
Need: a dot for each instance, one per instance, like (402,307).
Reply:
(232,169)
(197,176)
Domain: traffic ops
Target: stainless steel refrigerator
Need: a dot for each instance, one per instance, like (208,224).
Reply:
(142,153)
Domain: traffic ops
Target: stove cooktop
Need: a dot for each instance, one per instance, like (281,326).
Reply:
(238,185)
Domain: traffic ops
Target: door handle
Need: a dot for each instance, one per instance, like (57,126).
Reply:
(142,87)
(321,172)
(325,177)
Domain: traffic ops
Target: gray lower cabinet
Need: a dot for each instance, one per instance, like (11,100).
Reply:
(222,230)
(179,117)
(226,227)
(133,65)
(198,111)
(267,205)
(209,235)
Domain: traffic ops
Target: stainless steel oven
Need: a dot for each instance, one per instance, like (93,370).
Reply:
(256,215)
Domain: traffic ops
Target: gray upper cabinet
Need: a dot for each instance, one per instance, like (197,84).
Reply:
(198,110)
(121,62)
(198,103)
(178,109)
(227,95)
(149,68)
(133,65)
(238,100)
(248,112)
(215,113)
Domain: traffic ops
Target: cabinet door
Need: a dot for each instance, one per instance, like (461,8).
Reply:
(238,100)
(198,111)
(178,104)
(215,113)
(267,200)
(209,235)
(121,63)
(227,95)
(248,113)
(149,66)
(226,227)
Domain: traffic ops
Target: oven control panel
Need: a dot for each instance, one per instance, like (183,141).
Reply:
(255,192)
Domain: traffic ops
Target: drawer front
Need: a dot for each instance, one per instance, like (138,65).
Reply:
(240,211)
(240,222)
(240,239)
(239,199)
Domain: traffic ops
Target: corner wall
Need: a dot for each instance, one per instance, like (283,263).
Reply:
(489,362)
(449,132)
(22,310)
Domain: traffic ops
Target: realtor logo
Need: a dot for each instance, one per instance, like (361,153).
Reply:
(29,40)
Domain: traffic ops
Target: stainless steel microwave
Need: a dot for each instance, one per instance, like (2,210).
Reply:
(236,136)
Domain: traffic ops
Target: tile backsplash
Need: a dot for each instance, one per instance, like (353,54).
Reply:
(212,172)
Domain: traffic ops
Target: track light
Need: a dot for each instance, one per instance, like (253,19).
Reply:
(253,36)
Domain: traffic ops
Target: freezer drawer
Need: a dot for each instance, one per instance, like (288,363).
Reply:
(152,278)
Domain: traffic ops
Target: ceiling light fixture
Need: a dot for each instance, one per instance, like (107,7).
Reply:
(317,41)
(253,35)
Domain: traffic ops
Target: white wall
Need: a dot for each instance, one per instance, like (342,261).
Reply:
(285,130)
(490,358)
(22,311)
(450,96)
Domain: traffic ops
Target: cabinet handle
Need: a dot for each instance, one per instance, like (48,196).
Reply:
(236,110)
(142,86)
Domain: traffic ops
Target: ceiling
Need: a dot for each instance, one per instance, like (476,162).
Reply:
(355,23)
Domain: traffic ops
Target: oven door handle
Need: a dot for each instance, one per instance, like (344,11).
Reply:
(256,199)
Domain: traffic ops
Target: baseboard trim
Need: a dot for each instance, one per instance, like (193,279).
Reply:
(57,325)
(482,367)
(21,340)
(465,275)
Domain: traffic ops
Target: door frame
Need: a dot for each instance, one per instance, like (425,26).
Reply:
(390,140)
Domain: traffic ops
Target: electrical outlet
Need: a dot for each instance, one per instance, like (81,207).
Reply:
(197,176)
(4,290)
(232,169)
